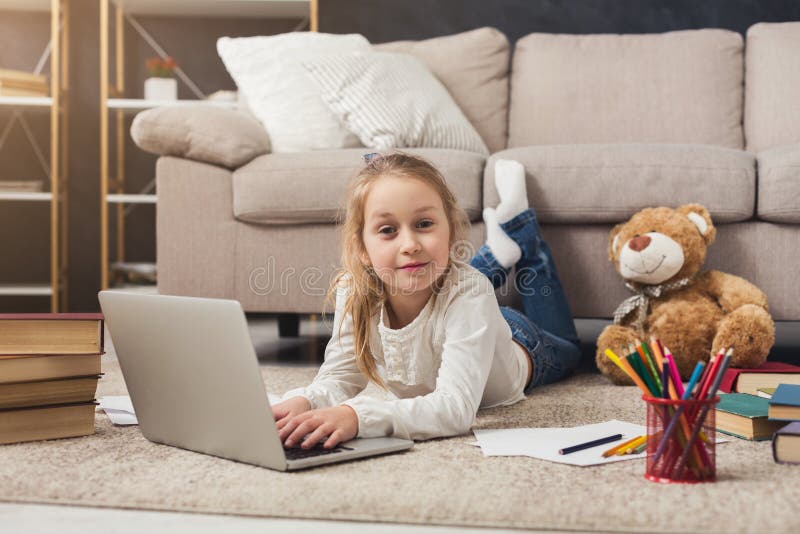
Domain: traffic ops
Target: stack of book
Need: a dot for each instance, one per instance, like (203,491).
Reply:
(767,375)
(22,83)
(49,368)
(784,406)
(745,416)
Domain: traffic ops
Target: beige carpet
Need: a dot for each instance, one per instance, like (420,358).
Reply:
(445,482)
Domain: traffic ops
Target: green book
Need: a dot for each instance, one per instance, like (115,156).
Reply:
(745,416)
(765,393)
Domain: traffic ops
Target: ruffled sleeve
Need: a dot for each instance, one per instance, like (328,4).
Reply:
(338,378)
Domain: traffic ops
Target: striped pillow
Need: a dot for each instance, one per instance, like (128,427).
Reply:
(392,101)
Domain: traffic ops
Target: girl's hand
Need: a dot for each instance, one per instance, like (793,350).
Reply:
(339,423)
(284,411)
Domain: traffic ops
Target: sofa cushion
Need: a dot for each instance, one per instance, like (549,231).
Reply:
(309,187)
(676,87)
(473,67)
(772,106)
(211,134)
(779,184)
(609,183)
(266,69)
(392,100)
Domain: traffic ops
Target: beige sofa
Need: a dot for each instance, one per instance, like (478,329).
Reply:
(604,124)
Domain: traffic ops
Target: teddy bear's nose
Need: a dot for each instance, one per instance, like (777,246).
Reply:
(639,243)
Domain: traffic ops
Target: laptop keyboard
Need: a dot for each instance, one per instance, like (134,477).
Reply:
(296,453)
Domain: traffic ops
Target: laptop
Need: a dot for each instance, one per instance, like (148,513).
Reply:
(194,381)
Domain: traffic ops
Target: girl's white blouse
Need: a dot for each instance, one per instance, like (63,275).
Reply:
(456,356)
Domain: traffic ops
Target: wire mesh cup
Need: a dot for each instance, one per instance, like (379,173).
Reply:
(681,439)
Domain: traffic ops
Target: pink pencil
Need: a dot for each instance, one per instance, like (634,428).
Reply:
(673,370)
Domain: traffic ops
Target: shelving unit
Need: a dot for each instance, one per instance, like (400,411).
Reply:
(56,289)
(112,96)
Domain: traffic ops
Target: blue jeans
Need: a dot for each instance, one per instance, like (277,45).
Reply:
(546,328)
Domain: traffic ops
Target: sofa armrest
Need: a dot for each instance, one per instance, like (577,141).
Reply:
(211,134)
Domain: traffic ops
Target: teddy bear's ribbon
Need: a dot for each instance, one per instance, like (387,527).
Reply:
(642,300)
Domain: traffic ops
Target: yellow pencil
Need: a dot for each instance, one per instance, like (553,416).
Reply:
(613,450)
(630,448)
(626,368)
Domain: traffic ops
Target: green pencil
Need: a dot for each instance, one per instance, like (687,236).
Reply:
(649,359)
(637,365)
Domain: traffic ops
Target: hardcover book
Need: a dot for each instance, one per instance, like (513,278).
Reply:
(785,403)
(30,367)
(51,333)
(767,375)
(786,444)
(40,393)
(46,422)
(745,416)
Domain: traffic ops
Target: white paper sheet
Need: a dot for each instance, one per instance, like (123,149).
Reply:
(544,443)
(119,408)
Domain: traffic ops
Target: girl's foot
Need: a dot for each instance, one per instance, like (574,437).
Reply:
(509,179)
(505,250)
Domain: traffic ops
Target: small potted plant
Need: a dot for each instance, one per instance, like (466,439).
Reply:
(161,85)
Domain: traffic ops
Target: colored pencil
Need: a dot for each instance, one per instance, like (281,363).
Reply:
(632,447)
(613,450)
(626,368)
(678,414)
(648,365)
(656,352)
(636,363)
(676,377)
(711,391)
(698,369)
(589,444)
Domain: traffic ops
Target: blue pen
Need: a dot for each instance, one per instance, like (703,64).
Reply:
(698,370)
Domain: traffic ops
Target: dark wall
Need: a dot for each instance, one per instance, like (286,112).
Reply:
(389,20)
(24,227)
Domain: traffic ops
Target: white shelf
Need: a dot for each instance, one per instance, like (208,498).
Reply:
(43,290)
(131,199)
(140,103)
(26,101)
(36,197)
(218,8)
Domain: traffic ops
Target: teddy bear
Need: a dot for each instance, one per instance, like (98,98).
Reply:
(659,253)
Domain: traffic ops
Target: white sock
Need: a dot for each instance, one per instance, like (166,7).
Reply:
(505,250)
(509,179)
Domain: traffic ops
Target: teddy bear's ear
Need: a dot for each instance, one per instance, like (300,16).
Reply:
(613,242)
(700,217)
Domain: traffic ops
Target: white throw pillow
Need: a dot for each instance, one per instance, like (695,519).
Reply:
(392,100)
(280,92)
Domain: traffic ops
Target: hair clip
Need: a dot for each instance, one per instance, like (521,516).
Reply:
(369,158)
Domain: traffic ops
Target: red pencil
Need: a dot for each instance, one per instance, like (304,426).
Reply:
(704,376)
(709,379)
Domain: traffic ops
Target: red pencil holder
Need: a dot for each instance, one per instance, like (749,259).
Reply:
(681,439)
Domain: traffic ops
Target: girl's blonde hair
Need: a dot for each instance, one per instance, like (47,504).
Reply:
(366,291)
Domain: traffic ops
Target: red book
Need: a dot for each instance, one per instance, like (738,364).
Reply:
(767,375)
(51,333)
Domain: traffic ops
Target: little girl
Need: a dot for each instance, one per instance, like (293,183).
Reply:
(424,325)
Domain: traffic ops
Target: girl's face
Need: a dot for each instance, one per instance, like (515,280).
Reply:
(406,234)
